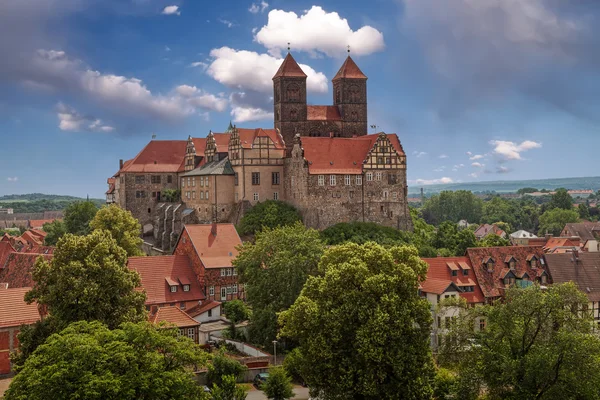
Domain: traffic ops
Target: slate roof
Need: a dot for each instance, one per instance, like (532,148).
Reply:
(17,268)
(323,113)
(221,167)
(522,234)
(290,68)
(156,270)
(491,283)
(585,230)
(175,316)
(583,268)
(487,229)
(14,311)
(158,156)
(440,270)
(349,70)
(214,251)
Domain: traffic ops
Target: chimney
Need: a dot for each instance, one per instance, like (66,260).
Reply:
(575,253)
(121,164)
(548,236)
(213,229)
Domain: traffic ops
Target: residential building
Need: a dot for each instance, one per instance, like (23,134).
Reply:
(521,237)
(4,210)
(208,311)
(587,232)
(173,316)
(487,229)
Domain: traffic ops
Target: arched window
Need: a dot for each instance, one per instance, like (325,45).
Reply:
(293,92)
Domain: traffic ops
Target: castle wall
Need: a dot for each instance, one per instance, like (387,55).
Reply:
(139,189)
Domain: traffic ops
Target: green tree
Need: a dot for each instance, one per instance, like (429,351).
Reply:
(362,232)
(554,220)
(456,241)
(452,206)
(222,366)
(55,230)
(362,328)
(88,361)
(78,216)
(423,234)
(171,195)
(444,384)
(278,385)
(561,199)
(498,209)
(527,190)
(123,227)
(538,344)
(228,389)
(492,240)
(275,268)
(584,211)
(292,364)
(268,214)
(236,312)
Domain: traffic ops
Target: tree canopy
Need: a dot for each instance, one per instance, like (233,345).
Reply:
(561,199)
(275,268)
(362,232)
(492,240)
(78,216)
(553,221)
(228,390)
(456,241)
(222,366)
(362,328)
(88,361)
(278,385)
(123,227)
(268,214)
(452,206)
(55,230)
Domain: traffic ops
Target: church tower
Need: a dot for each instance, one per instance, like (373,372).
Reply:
(350,96)
(289,98)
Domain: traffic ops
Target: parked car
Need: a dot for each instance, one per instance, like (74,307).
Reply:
(261,378)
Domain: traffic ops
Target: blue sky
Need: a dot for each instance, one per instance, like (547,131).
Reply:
(485,90)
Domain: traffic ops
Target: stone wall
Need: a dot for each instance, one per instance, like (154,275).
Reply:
(138,196)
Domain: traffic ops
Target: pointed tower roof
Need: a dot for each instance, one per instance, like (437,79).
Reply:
(349,70)
(289,67)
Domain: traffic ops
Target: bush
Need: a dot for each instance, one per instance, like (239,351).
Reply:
(444,384)
(269,214)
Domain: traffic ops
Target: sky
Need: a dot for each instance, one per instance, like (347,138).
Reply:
(476,90)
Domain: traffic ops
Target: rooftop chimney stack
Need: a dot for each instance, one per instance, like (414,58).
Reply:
(213,228)
(121,164)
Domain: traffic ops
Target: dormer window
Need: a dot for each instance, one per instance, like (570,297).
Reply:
(186,288)
(511,261)
(512,264)
(533,261)
(173,289)
(489,263)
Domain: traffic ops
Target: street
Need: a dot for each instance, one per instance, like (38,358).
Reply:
(301,393)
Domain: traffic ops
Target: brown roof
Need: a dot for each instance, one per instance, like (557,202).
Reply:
(440,271)
(491,283)
(158,156)
(175,316)
(202,308)
(323,113)
(289,67)
(17,268)
(349,70)
(158,272)
(39,233)
(585,230)
(214,251)
(14,311)
(247,137)
(556,242)
(437,286)
(583,269)
(39,223)
(487,229)
(5,249)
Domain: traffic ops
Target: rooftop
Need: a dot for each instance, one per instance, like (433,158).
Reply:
(159,156)
(290,68)
(349,70)
(175,316)
(215,251)
(583,268)
(14,311)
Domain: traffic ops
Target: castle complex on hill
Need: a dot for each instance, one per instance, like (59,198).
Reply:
(319,159)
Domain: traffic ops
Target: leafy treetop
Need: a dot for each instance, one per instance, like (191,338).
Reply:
(268,214)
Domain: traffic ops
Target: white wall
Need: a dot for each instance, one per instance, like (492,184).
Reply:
(216,315)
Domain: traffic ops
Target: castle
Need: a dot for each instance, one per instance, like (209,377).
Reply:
(320,159)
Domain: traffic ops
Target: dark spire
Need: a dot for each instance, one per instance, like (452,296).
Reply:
(349,70)
(289,67)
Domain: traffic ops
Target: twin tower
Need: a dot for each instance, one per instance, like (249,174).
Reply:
(347,117)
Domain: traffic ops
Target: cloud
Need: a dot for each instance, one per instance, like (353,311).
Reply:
(469,153)
(419,154)
(443,156)
(198,98)
(317,32)
(476,157)
(244,114)
(506,150)
(199,64)
(12,179)
(256,7)
(167,48)
(502,169)
(227,23)
(444,180)
(171,10)
(70,120)
(473,175)
(478,165)
(439,169)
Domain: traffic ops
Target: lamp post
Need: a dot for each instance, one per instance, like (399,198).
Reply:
(274,352)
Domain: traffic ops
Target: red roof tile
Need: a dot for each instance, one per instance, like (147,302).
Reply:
(158,156)
(437,286)
(214,251)
(5,249)
(202,308)
(175,316)
(289,67)
(14,311)
(349,70)
(439,271)
(31,239)
(39,223)
(155,273)
(323,113)
(39,233)
(17,268)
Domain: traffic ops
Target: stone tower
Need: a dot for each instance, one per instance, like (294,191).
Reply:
(289,98)
(350,96)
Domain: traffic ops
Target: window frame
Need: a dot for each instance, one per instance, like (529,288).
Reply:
(321,180)
(256,178)
(332,180)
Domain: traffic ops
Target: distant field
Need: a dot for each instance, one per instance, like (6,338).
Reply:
(13,201)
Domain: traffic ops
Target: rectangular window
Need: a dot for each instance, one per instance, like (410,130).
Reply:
(206,195)
(210,313)
(211,291)
(235,179)
(194,181)
(169,178)
(140,179)
(275,178)
(229,290)
(392,179)
(234,272)
(359,180)
(173,289)
(182,305)
(351,195)
(182,182)
(186,288)
(193,194)
(181,332)
(394,195)
(223,271)
(465,272)
(191,333)
(189,182)
(481,324)
(201,181)
(207,181)
(347,180)
(228,271)
(369,176)
(454,273)
(255,196)
(256,178)
(155,179)
(321,179)
(237,196)
(378,176)
(275,195)
(153,195)
(201,195)
(235,289)
(331,180)
(223,293)
(140,194)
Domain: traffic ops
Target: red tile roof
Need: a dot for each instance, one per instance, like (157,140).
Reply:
(555,242)
(323,113)
(439,271)
(289,67)
(156,269)
(202,308)
(175,316)
(14,311)
(491,283)
(437,286)
(349,70)
(5,249)
(158,156)
(39,233)
(487,229)
(39,223)
(214,251)
(17,268)
(31,239)
(341,155)
(199,145)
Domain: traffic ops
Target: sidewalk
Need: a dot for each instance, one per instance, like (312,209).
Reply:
(301,393)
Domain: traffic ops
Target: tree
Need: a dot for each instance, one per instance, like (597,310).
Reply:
(268,214)
(123,227)
(444,384)
(456,241)
(78,216)
(171,195)
(584,211)
(492,240)
(362,232)
(292,364)
(236,312)
(278,385)
(526,190)
(222,366)
(561,199)
(228,390)
(362,328)
(88,361)
(275,268)
(553,221)
(538,344)
(499,209)
(55,230)
(423,234)
(452,206)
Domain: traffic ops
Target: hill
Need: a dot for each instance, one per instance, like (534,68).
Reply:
(38,202)
(511,186)
(40,196)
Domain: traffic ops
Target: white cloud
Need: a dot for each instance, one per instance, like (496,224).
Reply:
(473,175)
(476,157)
(198,98)
(512,151)
(444,180)
(171,10)
(227,23)
(469,153)
(419,154)
(502,170)
(443,156)
(242,69)
(200,64)
(478,165)
(439,169)
(12,179)
(256,7)
(70,120)
(244,114)
(167,48)
(317,31)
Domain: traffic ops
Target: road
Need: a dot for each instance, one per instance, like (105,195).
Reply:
(301,393)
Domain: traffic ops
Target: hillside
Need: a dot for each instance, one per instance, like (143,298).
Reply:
(38,202)
(512,186)
(40,196)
